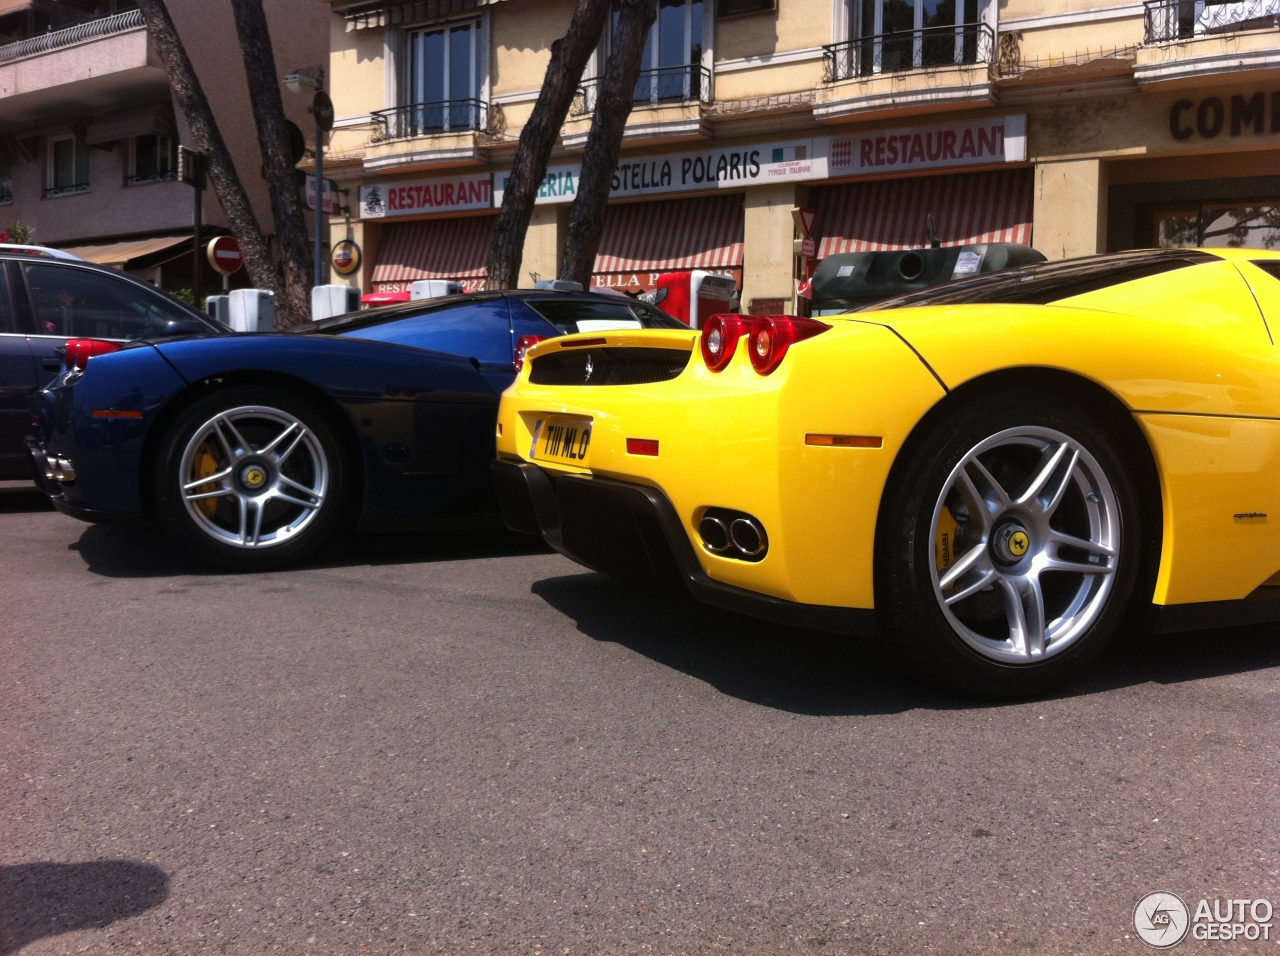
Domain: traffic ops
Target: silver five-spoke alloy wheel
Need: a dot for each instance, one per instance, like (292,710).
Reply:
(253,477)
(1027,537)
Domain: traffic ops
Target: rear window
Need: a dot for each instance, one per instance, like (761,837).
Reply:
(585,315)
(1270,267)
(1047,282)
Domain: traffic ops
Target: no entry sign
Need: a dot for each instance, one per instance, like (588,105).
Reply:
(224,255)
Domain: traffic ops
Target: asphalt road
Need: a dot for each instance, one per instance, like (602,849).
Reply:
(465,744)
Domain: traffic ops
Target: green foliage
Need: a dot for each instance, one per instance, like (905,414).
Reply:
(19,233)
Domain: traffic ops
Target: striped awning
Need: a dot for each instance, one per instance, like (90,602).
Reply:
(380,13)
(433,249)
(893,214)
(672,234)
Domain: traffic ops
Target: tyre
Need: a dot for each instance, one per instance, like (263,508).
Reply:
(250,478)
(1009,546)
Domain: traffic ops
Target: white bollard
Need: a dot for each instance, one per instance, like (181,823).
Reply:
(215,306)
(434,288)
(252,310)
(330,300)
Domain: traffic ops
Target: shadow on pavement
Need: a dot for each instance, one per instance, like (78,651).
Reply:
(46,899)
(142,551)
(817,674)
(786,668)
(18,497)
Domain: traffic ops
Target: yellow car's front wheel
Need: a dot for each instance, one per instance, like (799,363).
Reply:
(1009,552)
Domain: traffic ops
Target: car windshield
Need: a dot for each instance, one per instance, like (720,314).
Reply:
(1046,282)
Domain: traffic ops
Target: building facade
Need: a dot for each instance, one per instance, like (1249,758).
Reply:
(1074,125)
(89,131)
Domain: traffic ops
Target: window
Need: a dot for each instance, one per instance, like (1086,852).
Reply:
(151,159)
(443,80)
(729,8)
(74,302)
(895,35)
(671,66)
(1248,225)
(68,166)
(1047,282)
(584,315)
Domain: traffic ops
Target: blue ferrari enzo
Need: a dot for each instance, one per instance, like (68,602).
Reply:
(250,450)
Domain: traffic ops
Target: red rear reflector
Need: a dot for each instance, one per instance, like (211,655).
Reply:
(114,413)
(642,446)
(845,441)
(79,351)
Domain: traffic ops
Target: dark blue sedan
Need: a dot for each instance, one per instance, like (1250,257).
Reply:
(47,297)
(250,450)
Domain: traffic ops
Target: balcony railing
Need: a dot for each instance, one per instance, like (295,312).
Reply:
(89,30)
(70,190)
(1169,20)
(666,86)
(962,44)
(165,176)
(427,119)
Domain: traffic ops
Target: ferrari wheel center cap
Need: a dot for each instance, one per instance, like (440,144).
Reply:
(253,477)
(1011,543)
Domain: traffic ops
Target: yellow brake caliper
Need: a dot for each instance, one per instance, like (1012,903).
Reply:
(206,465)
(945,543)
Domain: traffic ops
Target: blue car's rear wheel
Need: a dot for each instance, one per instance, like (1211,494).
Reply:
(250,478)
(1010,544)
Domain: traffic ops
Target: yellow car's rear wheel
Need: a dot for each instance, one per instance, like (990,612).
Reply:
(1009,552)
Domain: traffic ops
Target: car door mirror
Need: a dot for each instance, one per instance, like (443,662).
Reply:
(184,327)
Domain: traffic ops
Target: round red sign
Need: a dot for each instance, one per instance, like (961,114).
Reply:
(224,254)
(346,257)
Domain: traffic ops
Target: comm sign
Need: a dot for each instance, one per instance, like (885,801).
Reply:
(224,255)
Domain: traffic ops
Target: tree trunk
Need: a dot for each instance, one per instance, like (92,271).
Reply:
(207,139)
(293,305)
(604,141)
(569,56)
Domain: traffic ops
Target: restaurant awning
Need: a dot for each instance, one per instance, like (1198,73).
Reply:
(434,249)
(893,214)
(380,13)
(123,254)
(672,234)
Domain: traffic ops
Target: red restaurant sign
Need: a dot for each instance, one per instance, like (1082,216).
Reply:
(424,197)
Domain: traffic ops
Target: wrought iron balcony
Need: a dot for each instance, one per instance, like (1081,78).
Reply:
(667,86)
(429,119)
(1170,20)
(89,30)
(71,190)
(962,44)
(164,176)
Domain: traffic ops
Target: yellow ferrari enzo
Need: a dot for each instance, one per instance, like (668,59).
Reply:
(991,472)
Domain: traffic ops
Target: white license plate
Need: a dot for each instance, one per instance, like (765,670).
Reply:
(561,439)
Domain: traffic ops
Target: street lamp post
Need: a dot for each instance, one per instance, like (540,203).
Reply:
(321,109)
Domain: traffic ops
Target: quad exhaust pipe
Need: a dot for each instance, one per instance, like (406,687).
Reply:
(733,534)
